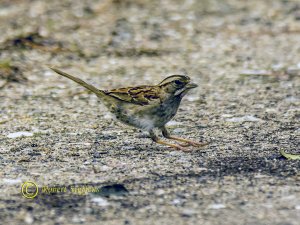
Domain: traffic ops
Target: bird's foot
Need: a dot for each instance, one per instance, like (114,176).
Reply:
(193,143)
(187,142)
(173,146)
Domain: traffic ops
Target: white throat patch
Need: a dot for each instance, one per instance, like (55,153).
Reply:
(178,92)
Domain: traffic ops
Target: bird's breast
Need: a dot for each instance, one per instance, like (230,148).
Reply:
(146,117)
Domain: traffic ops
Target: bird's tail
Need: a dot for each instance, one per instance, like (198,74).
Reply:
(79,81)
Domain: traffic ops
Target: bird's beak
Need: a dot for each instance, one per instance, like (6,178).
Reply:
(191,85)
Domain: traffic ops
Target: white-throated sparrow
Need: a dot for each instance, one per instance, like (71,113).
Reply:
(146,107)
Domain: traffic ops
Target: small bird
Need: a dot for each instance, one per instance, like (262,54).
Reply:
(146,107)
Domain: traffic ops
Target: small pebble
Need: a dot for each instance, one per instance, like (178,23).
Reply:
(20,134)
(247,118)
(216,206)
(100,201)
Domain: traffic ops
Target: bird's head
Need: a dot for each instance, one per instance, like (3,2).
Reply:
(177,85)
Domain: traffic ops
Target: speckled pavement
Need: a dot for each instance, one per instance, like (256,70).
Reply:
(245,57)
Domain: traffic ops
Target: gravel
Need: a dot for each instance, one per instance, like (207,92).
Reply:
(245,56)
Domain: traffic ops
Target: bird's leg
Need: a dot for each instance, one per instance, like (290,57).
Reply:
(167,135)
(159,141)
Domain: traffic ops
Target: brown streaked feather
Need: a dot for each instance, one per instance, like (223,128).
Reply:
(171,78)
(141,95)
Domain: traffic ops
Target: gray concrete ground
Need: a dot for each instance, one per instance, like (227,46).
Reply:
(245,56)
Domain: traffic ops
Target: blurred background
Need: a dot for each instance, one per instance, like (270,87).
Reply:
(144,38)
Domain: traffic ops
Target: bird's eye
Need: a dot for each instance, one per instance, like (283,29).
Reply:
(178,82)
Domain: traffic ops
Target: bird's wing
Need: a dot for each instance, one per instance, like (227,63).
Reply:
(142,95)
